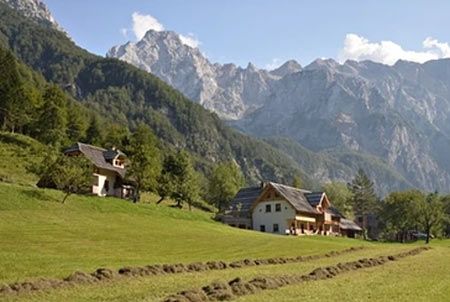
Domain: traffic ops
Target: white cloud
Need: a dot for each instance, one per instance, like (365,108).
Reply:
(144,23)
(359,48)
(190,40)
(124,32)
(274,64)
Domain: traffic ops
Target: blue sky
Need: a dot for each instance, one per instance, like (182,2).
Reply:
(267,32)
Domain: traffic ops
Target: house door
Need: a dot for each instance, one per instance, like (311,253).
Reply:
(106,187)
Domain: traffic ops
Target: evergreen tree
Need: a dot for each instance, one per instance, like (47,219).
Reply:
(178,179)
(117,136)
(94,133)
(15,96)
(364,199)
(52,122)
(226,180)
(145,160)
(76,123)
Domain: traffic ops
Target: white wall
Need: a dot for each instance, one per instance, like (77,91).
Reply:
(102,176)
(260,217)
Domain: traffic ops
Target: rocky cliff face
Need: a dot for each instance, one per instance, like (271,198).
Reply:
(398,113)
(397,116)
(228,90)
(35,10)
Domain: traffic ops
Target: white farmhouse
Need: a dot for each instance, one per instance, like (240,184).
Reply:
(108,178)
(281,209)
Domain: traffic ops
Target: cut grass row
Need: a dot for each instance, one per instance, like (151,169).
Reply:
(157,287)
(421,278)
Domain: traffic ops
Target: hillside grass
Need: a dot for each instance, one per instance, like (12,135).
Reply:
(155,288)
(17,153)
(39,236)
(419,278)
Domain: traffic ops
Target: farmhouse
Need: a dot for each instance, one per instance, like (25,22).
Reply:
(109,169)
(282,209)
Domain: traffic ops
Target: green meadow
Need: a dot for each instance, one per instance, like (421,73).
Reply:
(41,237)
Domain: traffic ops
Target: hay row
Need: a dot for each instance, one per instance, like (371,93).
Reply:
(105,274)
(237,287)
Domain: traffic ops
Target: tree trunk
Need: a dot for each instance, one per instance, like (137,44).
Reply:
(65,197)
(160,200)
(137,195)
(189,204)
(428,235)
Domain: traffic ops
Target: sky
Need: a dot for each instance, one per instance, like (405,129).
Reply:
(268,32)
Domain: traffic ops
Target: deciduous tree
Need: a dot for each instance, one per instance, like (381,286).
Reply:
(226,180)
(341,197)
(399,212)
(430,213)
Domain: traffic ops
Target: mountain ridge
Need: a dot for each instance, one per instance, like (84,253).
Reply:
(230,91)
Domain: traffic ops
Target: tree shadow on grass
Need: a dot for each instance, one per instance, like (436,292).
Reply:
(40,195)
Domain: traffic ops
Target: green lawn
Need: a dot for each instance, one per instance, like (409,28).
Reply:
(39,236)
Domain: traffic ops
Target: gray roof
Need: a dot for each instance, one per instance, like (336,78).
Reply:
(111,154)
(97,156)
(245,198)
(348,224)
(296,197)
(334,212)
(314,198)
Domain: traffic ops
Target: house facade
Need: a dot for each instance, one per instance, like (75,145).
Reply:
(108,177)
(281,209)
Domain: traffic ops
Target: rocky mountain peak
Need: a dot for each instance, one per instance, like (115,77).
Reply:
(228,90)
(289,67)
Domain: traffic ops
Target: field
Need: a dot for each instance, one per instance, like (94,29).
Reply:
(42,238)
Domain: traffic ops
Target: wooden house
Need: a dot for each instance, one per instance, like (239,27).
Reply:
(281,209)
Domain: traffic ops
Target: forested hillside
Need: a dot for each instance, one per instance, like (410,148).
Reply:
(126,95)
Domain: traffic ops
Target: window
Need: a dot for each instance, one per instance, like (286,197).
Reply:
(278,207)
(276,228)
(262,228)
(268,208)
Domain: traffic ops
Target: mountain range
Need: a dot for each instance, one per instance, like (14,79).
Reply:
(325,119)
(228,90)
(398,115)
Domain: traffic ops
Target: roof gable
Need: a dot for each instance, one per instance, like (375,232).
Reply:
(97,156)
(296,197)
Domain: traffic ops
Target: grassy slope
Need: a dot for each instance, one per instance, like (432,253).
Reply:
(40,236)
(16,153)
